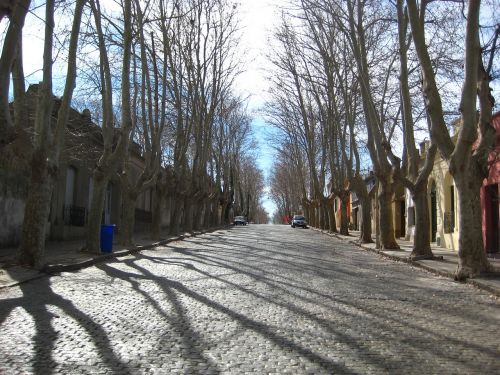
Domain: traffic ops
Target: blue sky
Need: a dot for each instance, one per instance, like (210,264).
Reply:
(266,156)
(258,18)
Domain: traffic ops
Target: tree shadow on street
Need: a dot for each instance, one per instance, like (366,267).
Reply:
(37,297)
(171,288)
(396,323)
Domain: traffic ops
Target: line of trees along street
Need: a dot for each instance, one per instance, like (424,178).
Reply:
(355,84)
(163,74)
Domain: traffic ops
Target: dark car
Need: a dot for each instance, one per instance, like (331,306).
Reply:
(299,221)
(239,220)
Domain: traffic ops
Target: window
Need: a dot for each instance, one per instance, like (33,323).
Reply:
(449,215)
(72,214)
(69,196)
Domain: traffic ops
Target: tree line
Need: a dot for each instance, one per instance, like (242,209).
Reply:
(161,75)
(356,84)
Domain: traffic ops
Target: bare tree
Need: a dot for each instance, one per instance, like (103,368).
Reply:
(467,160)
(296,103)
(415,174)
(378,125)
(113,151)
(47,143)
(16,13)
(231,144)
(285,184)
(149,125)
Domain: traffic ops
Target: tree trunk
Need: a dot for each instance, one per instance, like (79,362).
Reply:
(472,258)
(204,221)
(344,220)
(324,209)
(463,167)
(321,215)
(214,213)
(129,199)
(158,203)
(43,164)
(422,235)
(225,219)
(221,216)
(36,213)
(308,213)
(331,218)
(188,215)
(9,52)
(359,186)
(175,219)
(366,219)
(99,186)
(386,223)
(198,214)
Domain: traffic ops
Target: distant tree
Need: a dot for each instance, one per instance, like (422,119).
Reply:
(285,185)
(293,110)
(231,144)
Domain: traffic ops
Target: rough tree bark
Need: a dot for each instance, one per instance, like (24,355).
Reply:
(112,155)
(376,143)
(413,176)
(47,143)
(467,166)
(11,44)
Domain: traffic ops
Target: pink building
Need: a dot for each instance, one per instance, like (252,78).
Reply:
(490,194)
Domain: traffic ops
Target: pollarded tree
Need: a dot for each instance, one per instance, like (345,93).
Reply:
(199,55)
(289,146)
(467,158)
(334,90)
(15,12)
(414,171)
(231,144)
(48,142)
(285,184)
(250,182)
(148,123)
(213,71)
(295,99)
(113,150)
(365,27)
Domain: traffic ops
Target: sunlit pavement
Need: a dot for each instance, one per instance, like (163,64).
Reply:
(256,299)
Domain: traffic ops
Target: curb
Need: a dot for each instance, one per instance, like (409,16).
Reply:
(473,282)
(52,269)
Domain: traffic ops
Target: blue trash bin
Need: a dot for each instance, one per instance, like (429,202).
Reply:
(107,238)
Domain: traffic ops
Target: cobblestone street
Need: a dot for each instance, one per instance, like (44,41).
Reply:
(259,299)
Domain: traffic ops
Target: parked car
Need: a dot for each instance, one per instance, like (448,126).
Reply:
(239,220)
(299,221)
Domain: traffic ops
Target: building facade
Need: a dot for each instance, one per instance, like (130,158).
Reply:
(72,192)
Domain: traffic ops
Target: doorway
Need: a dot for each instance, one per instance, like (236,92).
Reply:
(402,217)
(433,212)
(492,219)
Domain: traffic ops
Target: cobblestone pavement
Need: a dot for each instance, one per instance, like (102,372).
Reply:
(256,299)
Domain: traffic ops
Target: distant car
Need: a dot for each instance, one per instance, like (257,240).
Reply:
(299,221)
(239,220)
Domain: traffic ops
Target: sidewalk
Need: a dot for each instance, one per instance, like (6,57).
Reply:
(445,267)
(67,256)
